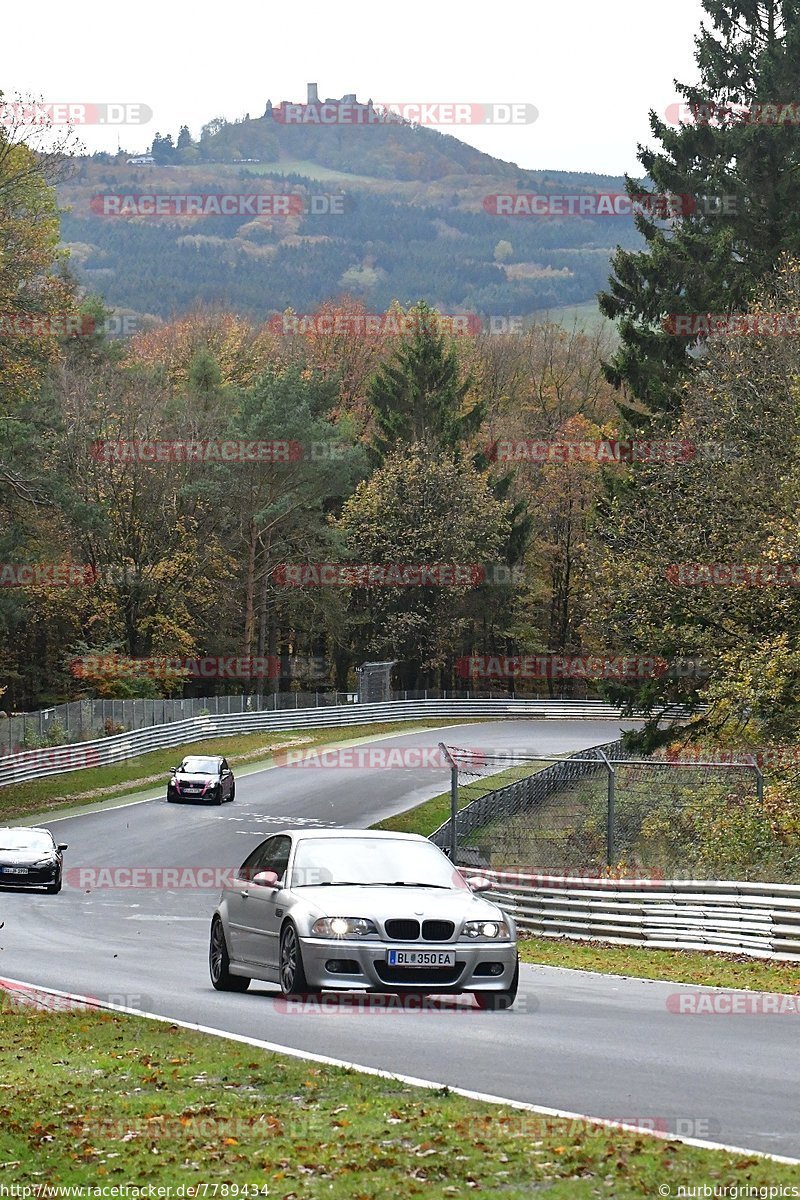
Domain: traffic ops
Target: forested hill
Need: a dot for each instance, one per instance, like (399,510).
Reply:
(409,216)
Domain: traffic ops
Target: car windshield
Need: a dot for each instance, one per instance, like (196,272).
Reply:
(194,765)
(25,839)
(372,862)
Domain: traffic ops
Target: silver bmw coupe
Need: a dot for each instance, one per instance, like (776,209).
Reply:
(355,909)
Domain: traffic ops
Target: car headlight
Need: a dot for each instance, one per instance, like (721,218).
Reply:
(172,783)
(490,930)
(45,862)
(342,927)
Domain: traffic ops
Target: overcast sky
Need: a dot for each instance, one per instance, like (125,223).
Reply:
(592,70)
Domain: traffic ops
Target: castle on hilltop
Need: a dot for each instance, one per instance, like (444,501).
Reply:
(313,101)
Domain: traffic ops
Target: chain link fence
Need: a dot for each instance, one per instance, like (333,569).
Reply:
(86,720)
(606,812)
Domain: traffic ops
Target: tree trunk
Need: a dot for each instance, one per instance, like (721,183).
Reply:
(250,588)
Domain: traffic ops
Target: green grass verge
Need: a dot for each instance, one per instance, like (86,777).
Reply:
(677,966)
(97,1099)
(428,816)
(88,786)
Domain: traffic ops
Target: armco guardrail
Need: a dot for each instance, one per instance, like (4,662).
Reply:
(36,764)
(760,919)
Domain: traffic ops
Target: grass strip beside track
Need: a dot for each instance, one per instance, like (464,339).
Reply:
(76,788)
(102,1099)
(425,818)
(704,967)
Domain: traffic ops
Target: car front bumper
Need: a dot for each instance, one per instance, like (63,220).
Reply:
(209,797)
(35,877)
(363,965)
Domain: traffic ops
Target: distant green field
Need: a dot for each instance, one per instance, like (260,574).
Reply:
(586,316)
(311,170)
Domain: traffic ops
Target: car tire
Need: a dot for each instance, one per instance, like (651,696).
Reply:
(219,962)
(232,796)
(499,1001)
(290,965)
(54,888)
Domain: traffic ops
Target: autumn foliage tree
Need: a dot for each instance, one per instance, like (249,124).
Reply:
(419,507)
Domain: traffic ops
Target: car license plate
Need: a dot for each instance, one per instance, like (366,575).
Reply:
(421,958)
(15,870)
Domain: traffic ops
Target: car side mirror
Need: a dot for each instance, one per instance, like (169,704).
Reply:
(266,879)
(63,846)
(479,883)
(224,773)
(173,770)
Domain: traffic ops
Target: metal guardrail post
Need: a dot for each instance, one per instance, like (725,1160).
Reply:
(611,816)
(453,801)
(759,784)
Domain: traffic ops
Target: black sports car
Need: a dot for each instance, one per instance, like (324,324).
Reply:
(31,858)
(202,777)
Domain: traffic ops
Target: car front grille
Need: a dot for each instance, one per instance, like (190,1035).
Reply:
(437,931)
(407,930)
(402,930)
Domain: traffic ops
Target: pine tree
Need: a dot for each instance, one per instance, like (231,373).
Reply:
(732,147)
(418,394)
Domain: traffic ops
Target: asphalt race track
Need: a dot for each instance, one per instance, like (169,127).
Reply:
(603,1046)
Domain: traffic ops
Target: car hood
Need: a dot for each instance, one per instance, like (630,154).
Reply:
(24,858)
(386,903)
(182,777)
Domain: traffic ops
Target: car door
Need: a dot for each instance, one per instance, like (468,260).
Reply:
(237,897)
(262,908)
